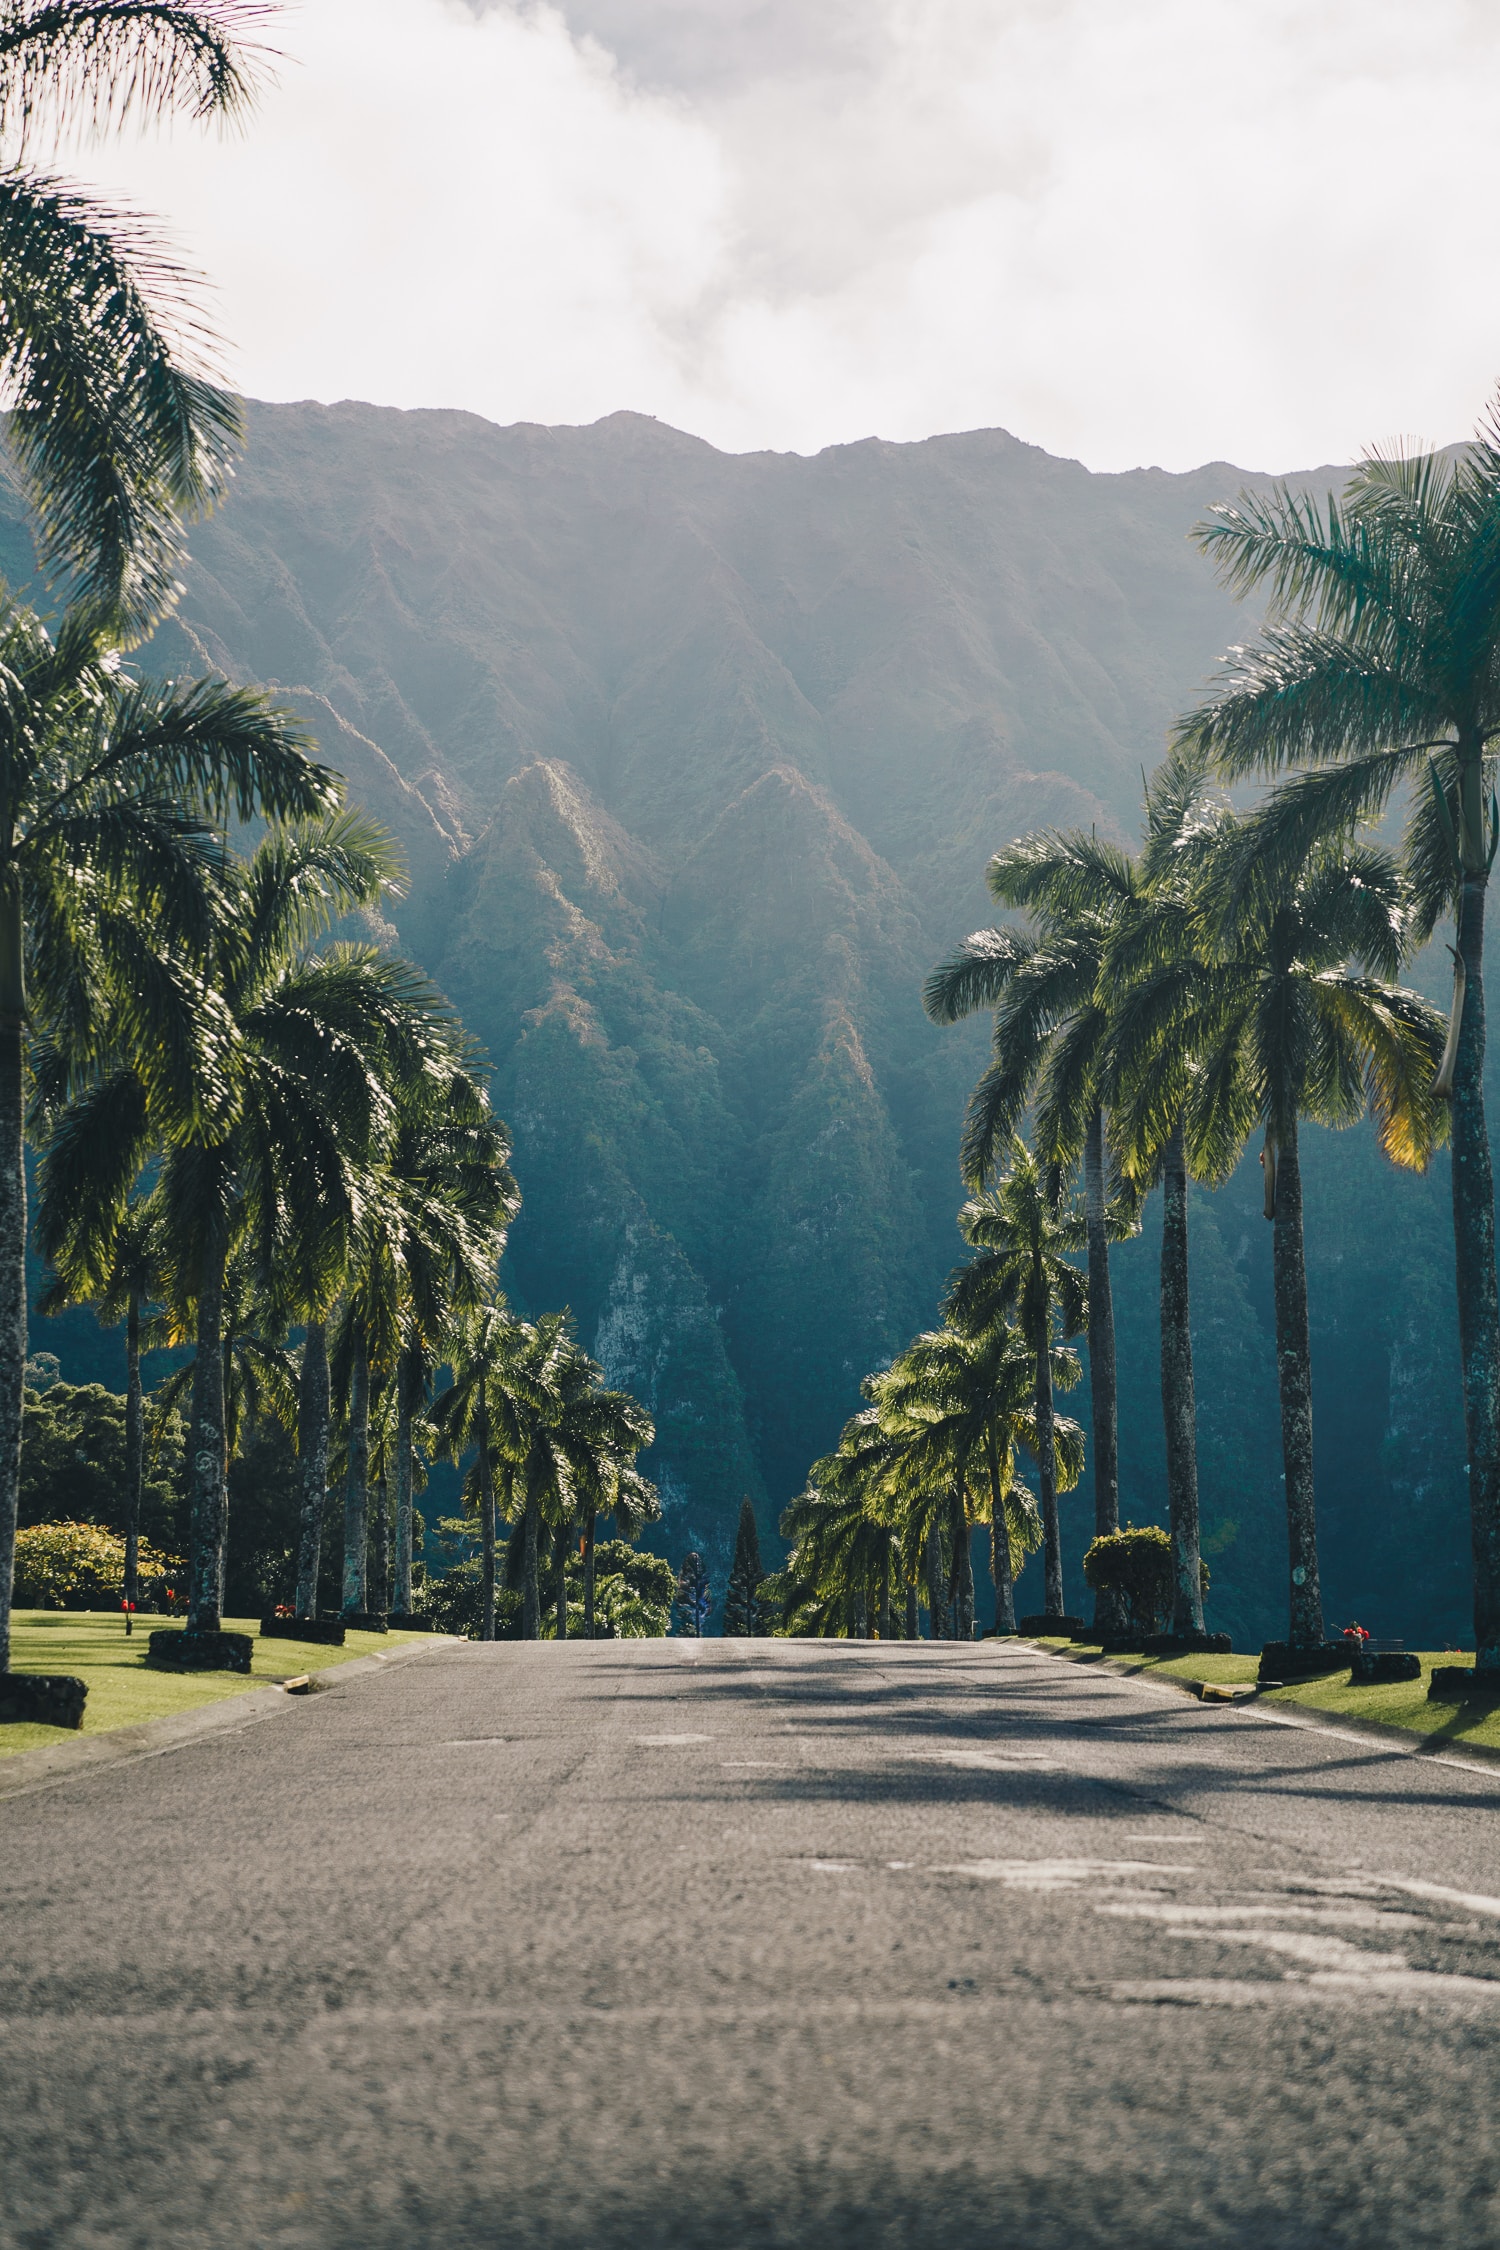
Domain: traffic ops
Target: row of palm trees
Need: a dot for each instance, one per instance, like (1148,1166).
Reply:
(245,1129)
(1155,1013)
(114,793)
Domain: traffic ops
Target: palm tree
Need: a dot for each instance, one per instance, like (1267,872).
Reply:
(1020,1231)
(110,792)
(1049,997)
(1286,1029)
(620,1493)
(960,1406)
(114,422)
(307,1047)
(112,1261)
(1380,670)
(839,1551)
(501,1385)
(257,1375)
(450,1200)
(1153,962)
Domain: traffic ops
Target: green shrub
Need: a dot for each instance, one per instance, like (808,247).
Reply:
(632,1597)
(455,1603)
(1137,1562)
(82,1566)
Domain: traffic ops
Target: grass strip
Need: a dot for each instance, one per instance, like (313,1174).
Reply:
(1402,1703)
(91,1645)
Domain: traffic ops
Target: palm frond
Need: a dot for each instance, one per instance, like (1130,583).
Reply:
(115,420)
(99,63)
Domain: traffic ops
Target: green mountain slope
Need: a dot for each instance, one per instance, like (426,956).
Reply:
(697,760)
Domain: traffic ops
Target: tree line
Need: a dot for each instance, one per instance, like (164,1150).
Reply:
(250,1123)
(1156,1012)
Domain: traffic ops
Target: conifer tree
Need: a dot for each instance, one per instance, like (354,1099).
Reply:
(742,1614)
(694,1599)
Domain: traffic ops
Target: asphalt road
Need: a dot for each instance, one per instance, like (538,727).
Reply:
(768,1943)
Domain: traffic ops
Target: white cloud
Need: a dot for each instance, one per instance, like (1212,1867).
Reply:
(1134,230)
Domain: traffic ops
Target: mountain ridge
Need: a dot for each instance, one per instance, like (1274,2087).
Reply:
(698,760)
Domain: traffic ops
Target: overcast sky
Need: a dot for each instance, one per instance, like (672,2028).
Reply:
(1129,230)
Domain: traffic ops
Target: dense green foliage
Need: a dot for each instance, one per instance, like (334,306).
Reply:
(73,1463)
(82,1566)
(1136,1563)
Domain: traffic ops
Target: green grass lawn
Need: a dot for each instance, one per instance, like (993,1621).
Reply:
(91,1645)
(1404,1704)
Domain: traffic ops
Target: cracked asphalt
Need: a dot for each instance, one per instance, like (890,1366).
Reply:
(752,1943)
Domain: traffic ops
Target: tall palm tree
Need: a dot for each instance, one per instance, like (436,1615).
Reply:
(1050,1002)
(841,1530)
(1379,671)
(839,1551)
(1287,1029)
(605,1430)
(111,793)
(290,1127)
(962,1406)
(111,1260)
(256,1374)
(502,1385)
(114,420)
(1020,1234)
(1152,964)
(619,1492)
(451,1198)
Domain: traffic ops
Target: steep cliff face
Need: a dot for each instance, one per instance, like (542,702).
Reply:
(697,761)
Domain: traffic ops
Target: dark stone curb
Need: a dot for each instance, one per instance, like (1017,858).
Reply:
(1383,1667)
(29,1770)
(200,1652)
(1284,1664)
(323,1632)
(45,1699)
(1187,1644)
(1462,1683)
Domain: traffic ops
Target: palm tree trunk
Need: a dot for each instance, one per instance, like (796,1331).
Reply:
(312,1444)
(1005,1591)
(1178,1403)
(588,1575)
(206,1440)
(487,1538)
(1046,1464)
(405,1390)
(12,1245)
(380,1545)
(1103,1393)
(963,1569)
(357,1482)
(935,1588)
(885,1595)
(135,1447)
(1478,1312)
(560,1558)
(1294,1374)
(531,1602)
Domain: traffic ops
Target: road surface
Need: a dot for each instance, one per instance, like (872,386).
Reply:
(752,1943)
